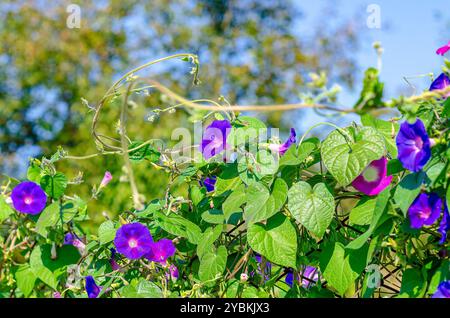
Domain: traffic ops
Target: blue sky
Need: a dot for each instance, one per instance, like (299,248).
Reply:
(411,31)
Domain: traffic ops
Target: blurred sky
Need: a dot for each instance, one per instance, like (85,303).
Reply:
(410,33)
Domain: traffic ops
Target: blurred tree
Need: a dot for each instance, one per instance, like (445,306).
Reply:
(250,52)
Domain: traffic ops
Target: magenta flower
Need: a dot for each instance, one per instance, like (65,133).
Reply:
(282,148)
(443,290)
(160,251)
(413,144)
(57,295)
(112,260)
(72,239)
(215,138)
(133,240)
(444,49)
(92,289)
(209,183)
(106,179)
(28,197)
(444,225)
(173,273)
(309,277)
(441,82)
(374,178)
(425,210)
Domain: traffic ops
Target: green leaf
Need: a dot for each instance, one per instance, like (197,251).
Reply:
(246,129)
(141,289)
(213,216)
(106,232)
(345,161)
(197,194)
(223,185)
(48,268)
(48,218)
(34,174)
(261,204)
(336,268)
(380,207)
(179,226)
(295,156)
(206,243)
(446,111)
(5,209)
(407,190)
(55,185)
(212,264)
(147,152)
(312,207)
(412,283)
(234,201)
(25,279)
(362,213)
(276,241)
(388,129)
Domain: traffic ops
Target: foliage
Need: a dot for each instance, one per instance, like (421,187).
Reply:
(268,215)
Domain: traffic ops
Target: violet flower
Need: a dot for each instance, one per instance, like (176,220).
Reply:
(160,251)
(265,272)
(374,178)
(28,197)
(425,210)
(173,273)
(444,49)
(57,295)
(112,260)
(133,240)
(72,239)
(444,225)
(92,289)
(209,183)
(441,82)
(282,148)
(106,179)
(413,145)
(443,290)
(309,276)
(215,138)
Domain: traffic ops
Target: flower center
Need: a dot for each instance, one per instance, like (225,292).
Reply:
(28,200)
(419,143)
(424,214)
(370,174)
(132,243)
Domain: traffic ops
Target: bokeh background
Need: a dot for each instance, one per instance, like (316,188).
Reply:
(251,52)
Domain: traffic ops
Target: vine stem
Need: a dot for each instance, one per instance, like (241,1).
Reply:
(123,118)
(343,132)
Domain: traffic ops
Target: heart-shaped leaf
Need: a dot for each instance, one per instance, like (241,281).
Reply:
(312,207)
(276,241)
(347,152)
(261,204)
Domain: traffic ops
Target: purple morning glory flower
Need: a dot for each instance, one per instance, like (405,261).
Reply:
(310,275)
(160,251)
(28,197)
(440,83)
(173,272)
(374,178)
(72,239)
(444,225)
(413,145)
(281,149)
(443,290)
(209,183)
(263,271)
(215,138)
(112,260)
(133,240)
(425,210)
(91,287)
